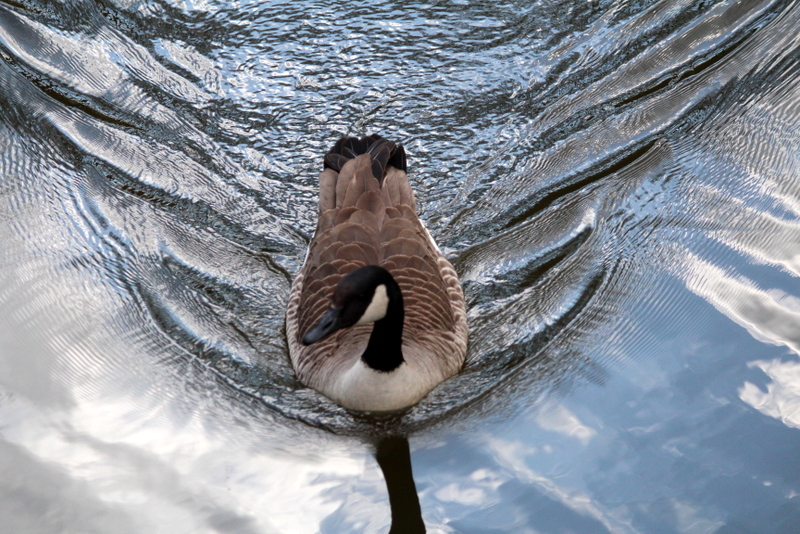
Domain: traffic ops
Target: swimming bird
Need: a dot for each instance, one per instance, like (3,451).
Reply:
(376,315)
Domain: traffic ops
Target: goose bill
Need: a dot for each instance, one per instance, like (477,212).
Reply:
(330,323)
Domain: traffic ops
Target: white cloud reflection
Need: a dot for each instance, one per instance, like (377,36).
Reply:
(513,456)
(558,418)
(771,316)
(168,479)
(782,398)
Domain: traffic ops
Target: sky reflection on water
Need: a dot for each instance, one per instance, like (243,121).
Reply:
(616,182)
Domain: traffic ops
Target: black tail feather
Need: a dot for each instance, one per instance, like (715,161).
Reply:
(382,151)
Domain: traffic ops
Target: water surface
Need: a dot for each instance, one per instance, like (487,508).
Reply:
(617,183)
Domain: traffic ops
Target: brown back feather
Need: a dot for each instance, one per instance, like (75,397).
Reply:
(368,216)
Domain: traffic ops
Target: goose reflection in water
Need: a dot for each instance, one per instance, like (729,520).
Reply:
(394,459)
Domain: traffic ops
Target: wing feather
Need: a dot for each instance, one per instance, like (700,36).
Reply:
(368,216)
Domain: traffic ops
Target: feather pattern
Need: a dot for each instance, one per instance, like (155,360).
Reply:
(367,216)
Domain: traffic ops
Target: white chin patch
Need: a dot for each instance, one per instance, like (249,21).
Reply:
(377,308)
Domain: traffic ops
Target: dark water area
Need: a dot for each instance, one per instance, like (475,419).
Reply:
(616,182)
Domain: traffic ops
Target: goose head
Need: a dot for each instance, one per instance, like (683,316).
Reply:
(369,294)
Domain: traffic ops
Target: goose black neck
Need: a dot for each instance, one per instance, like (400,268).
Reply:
(384,351)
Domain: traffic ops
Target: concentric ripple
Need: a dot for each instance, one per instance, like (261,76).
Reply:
(182,167)
(593,170)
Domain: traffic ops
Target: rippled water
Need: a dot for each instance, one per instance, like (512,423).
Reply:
(617,183)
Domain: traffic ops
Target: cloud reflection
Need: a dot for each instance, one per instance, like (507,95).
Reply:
(558,418)
(771,316)
(153,475)
(782,398)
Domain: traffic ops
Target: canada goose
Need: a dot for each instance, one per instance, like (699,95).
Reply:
(376,315)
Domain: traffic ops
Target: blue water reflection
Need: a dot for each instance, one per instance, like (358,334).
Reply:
(615,181)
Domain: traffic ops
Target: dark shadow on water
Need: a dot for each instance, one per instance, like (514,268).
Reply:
(394,459)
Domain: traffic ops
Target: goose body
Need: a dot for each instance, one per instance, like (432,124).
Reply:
(376,316)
